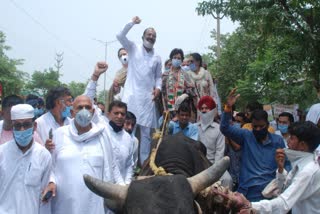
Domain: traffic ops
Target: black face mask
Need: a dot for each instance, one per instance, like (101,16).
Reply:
(129,131)
(115,127)
(260,134)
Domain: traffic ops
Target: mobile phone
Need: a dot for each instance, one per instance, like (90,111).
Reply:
(47,196)
(50,134)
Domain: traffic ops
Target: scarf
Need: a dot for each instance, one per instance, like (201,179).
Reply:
(93,132)
(206,119)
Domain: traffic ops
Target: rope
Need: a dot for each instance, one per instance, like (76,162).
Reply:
(158,170)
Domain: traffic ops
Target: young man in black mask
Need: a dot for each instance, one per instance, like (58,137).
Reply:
(122,143)
(258,166)
(129,126)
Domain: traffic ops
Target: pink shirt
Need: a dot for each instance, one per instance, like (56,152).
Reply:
(8,135)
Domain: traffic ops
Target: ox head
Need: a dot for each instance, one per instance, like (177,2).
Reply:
(175,192)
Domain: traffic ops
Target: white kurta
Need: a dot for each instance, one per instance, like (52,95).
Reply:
(302,192)
(1,126)
(47,122)
(123,148)
(74,156)
(144,75)
(135,150)
(22,178)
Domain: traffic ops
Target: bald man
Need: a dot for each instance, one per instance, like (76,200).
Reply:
(81,148)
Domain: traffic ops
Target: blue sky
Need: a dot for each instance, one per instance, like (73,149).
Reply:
(36,30)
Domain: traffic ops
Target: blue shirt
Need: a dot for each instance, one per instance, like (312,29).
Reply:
(258,164)
(190,131)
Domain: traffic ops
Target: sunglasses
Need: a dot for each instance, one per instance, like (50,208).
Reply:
(25,125)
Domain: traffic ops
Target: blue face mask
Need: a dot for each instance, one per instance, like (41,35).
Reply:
(193,67)
(23,138)
(38,112)
(237,125)
(167,69)
(283,128)
(66,113)
(176,63)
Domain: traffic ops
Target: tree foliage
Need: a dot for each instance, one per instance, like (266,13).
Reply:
(43,81)
(274,56)
(77,88)
(11,79)
(103,96)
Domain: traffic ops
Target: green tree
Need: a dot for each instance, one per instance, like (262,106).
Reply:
(102,96)
(11,79)
(275,53)
(77,88)
(43,81)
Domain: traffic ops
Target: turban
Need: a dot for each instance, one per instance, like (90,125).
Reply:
(22,111)
(208,101)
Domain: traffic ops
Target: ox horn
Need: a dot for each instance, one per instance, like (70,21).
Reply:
(209,176)
(114,195)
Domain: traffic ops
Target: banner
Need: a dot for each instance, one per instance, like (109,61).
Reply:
(279,108)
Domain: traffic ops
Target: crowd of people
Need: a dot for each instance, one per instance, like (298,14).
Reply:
(47,146)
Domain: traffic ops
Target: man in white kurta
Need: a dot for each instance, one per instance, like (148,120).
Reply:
(314,116)
(298,190)
(24,170)
(129,126)
(81,148)
(143,82)
(122,143)
(58,104)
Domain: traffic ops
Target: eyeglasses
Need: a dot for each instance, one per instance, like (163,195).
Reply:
(25,125)
(67,100)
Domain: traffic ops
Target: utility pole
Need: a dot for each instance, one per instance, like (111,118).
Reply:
(58,64)
(220,7)
(214,8)
(218,36)
(105,43)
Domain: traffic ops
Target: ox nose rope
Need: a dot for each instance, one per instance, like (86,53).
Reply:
(158,170)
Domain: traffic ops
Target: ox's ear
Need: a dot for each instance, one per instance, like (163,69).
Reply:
(209,176)
(114,195)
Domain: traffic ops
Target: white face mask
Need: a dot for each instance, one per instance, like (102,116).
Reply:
(185,68)
(147,44)
(124,59)
(83,118)
(294,155)
(206,119)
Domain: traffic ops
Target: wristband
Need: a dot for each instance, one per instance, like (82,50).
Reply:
(96,76)
(227,108)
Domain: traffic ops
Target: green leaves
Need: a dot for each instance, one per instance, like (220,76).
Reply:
(11,78)
(274,56)
(43,81)
(77,88)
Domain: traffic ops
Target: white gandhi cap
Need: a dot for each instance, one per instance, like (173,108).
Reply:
(22,111)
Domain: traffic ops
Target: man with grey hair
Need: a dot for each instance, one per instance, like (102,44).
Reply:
(143,82)
(82,147)
(25,166)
